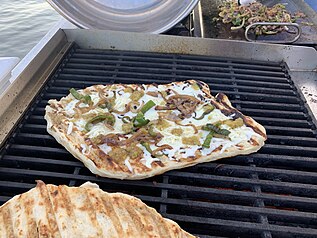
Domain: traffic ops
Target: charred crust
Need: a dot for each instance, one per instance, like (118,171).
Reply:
(55,193)
(220,97)
(254,142)
(200,84)
(159,163)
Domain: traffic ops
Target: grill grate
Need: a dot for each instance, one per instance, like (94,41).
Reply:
(272,193)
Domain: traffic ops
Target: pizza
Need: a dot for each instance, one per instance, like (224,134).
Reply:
(138,131)
(85,211)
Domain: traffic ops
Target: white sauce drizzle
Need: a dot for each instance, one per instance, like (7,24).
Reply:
(84,148)
(70,128)
(148,159)
(127,163)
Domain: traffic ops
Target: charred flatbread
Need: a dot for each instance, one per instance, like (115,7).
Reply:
(85,211)
(138,131)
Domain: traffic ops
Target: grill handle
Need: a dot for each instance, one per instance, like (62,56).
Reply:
(299,31)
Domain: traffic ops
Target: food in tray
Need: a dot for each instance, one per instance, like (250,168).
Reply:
(138,131)
(242,16)
(85,211)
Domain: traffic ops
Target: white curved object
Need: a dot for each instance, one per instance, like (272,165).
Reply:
(150,16)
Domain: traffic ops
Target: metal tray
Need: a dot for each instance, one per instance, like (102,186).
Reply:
(151,16)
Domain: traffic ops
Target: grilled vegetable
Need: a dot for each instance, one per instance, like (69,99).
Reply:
(162,124)
(147,106)
(234,123)
(136,95)
(192,140)
(134,151)
(127,128)
(78,96)
(108,117)
(147,146)
(139,120)
(75,94)
(215,129)
(151,131)
(242,16)
(177,131)
(208,109)
(207,140)
(118,154)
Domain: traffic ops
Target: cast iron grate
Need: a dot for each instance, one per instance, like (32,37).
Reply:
(272,193)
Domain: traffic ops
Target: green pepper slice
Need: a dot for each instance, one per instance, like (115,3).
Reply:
(207,140)
(147,106)
(216,129)
(78,96)
(139,120)
(208,109)
(109,118)
(75,94)
(147,146)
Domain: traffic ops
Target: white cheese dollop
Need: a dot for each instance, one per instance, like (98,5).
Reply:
(127,163)
(105,148)
(148,159)
(70,128)
(69,108)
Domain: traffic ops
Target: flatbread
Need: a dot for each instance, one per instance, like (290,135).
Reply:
(173,138)
(86,211)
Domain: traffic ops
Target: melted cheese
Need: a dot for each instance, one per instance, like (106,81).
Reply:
(69,109)
(80,124)
(186,89)
(122,100)
(95,98)
(98,129)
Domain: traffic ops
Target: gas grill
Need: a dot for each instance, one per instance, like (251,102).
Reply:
(271,193)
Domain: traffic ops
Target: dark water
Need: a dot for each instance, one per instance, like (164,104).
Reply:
(22,24)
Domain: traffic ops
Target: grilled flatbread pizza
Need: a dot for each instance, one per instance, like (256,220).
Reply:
(138,131)
(86,211)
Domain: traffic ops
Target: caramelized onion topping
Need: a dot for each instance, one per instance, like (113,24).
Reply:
(184,103)
(160,148)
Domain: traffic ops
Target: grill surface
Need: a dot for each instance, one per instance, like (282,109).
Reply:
(272,193)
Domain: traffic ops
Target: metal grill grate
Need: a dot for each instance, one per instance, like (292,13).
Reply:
(272,193)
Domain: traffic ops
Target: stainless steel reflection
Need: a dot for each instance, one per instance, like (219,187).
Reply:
(151,16)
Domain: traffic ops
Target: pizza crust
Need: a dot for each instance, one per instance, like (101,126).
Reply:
(98,162)
(85,211)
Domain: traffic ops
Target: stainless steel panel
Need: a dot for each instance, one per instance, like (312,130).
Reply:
(15,100)
(296,57)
